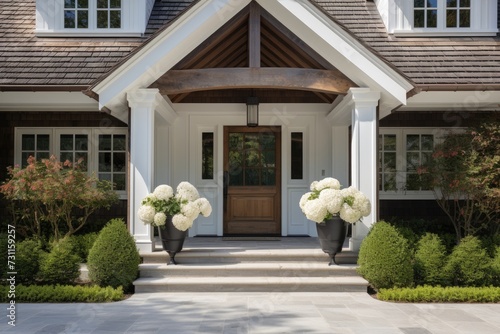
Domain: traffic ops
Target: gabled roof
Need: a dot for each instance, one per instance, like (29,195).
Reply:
(26,60)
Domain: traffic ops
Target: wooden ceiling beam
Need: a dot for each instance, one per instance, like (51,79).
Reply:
(191,80)
(254,35)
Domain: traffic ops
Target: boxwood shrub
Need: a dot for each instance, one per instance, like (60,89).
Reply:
(61,265)
(469,264)
(28,255)
(430,259)
(431,294)
(114,259)
(62,294)
(385,258)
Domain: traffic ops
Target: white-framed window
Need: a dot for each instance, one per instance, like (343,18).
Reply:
(439,17)
(102,152)
(92,17)
(401,152)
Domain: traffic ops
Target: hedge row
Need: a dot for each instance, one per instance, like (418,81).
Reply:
(431,294)
(61,294)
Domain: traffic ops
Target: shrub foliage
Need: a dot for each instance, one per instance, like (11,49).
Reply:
(429,294)
(61,265)
(62,294)
(114,259)
(385,258)
(430,259)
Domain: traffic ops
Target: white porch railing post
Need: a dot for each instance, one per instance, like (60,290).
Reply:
(364,155)
(142,147)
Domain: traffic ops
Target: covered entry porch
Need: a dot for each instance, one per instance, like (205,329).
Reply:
(193,79)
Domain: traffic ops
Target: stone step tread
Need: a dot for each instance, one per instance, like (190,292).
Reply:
(208,252)
(217,281)
(310,266)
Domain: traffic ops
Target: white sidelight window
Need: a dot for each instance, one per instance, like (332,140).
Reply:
(102,152)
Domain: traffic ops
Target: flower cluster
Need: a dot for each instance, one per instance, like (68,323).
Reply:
(184,207)
(326,200)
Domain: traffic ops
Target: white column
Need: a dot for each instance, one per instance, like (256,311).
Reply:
(364,155)
(142,103)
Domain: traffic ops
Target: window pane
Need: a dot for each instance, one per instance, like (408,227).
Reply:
(42,155)
(104,142)
(81,142)
(412,142)
(297,156)
(83,19)
(451,3)
(69,19)
(389,182)
(28,142)
(66,143)
(412,161)
(268,177)
(252,177)
(451,18)
(66,156)
(419,3)
(104,162)
(236,177)
(24,158)
(389,162)
(119,181)
(412,182)
(69,3)
(427,142)
(42,142)
(464,18)
(81,158)
(115,3)
(119,143)
(83,3)
(105,177)
(118,162)
(432,3)
(418,19)
(252,158)
(102,19)
(115,19)
(235,141)
(431,18)
(268,141)
(389,142)
(207,164)
(464,3)
(102,3)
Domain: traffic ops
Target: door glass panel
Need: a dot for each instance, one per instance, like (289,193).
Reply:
(252,159)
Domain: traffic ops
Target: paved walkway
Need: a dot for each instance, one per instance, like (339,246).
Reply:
(239,313)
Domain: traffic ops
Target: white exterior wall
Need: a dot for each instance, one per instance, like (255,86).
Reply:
(185,155)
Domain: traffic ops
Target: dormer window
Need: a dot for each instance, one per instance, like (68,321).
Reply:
(440,17)
(92,18)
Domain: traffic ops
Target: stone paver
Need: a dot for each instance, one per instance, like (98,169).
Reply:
(257,312)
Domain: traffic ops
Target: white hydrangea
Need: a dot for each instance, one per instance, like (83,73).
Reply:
(181,222)
(190,210)
(160,219)
(327,183)
(315,210)
(163,192)
(348,214)
(146,213)
(350,191)
(304,199)
(186,191)
(332,199)
(204,206)
(362,204)
(313,185)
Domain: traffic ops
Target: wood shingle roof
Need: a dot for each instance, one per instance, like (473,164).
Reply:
(28,60)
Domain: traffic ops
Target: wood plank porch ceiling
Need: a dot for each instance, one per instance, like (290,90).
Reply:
(253,55)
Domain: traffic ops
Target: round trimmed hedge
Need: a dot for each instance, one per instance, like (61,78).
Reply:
(430,259)
(385,259)
(113,259)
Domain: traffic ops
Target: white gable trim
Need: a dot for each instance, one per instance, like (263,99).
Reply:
(300,16)
(162,53)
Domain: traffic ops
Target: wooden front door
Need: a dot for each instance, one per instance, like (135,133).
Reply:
(252,180)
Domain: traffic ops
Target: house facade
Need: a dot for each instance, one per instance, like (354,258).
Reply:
(249,100)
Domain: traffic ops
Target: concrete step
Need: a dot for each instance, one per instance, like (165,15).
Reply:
(249,269)
(190,256)
(251,284)
(213,265)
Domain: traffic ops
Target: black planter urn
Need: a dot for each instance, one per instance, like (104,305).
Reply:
(331,235)
(172,239)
